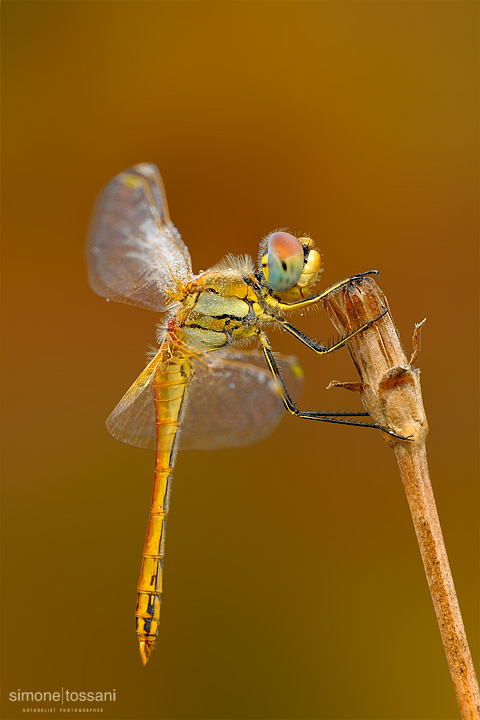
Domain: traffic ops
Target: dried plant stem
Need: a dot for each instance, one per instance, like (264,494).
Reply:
(390,391)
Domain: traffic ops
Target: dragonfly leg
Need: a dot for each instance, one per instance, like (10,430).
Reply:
(324,349)
(330,417)
(299,304)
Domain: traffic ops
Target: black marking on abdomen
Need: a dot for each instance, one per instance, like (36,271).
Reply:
(161,536)
(154,580)
(172,450)
(151,605)
(166,497)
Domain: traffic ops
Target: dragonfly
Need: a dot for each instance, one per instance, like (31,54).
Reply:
(203,388)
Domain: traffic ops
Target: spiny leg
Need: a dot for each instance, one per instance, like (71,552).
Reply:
(331,417)
(299,304)
(324,349)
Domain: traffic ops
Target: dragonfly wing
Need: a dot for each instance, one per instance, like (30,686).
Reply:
(233,401)
(133,419)
(135,254)
(230,403)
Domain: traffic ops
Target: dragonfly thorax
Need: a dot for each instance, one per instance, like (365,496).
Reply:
(220,307)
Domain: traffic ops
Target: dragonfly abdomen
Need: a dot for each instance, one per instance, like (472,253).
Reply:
(170,384)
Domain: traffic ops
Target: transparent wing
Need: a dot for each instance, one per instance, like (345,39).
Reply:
(133,419)
(235,402)
(231,402)
(135,254)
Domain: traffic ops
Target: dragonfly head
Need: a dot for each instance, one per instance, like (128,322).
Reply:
(288,265)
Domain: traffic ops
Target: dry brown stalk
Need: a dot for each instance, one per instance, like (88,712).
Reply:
(390,391)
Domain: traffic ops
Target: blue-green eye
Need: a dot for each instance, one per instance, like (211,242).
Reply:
(285,260)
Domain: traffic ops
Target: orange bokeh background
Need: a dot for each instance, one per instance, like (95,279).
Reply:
(293,583)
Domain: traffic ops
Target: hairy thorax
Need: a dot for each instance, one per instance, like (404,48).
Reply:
(221,307)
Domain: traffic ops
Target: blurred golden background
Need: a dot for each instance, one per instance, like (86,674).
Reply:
(294,586)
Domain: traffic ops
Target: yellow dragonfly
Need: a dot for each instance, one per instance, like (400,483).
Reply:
(199,391)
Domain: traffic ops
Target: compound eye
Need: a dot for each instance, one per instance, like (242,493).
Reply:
(285,259)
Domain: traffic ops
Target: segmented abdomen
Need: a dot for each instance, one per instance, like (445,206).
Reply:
(170,384)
